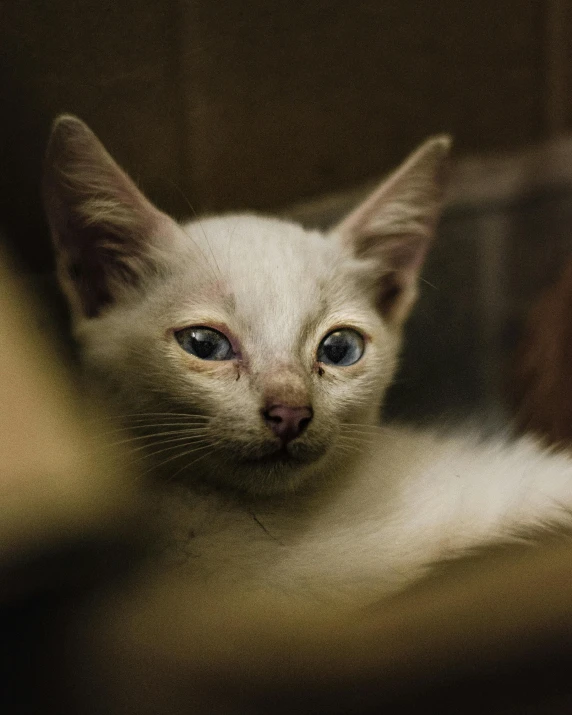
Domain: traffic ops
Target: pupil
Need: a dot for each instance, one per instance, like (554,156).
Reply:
(336,350)
(203,346)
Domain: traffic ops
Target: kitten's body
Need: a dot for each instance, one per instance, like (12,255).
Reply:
(335,509)
(418,498)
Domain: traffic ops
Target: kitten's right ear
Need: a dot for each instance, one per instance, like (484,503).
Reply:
(107,235)
(393,229)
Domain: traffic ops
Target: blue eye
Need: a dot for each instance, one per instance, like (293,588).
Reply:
(341,347)
(205,343)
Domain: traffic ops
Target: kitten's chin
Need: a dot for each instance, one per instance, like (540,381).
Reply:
(268,478)
(277,472)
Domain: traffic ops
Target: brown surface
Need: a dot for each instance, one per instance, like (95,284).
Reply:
(258,104)
(109,62)
(297,98)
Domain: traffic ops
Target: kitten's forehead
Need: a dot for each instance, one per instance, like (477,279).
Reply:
(263,263)
(246,244)
(272,279)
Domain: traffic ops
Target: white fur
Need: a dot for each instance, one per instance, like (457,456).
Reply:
(370,523)
(366,509)
(415,499)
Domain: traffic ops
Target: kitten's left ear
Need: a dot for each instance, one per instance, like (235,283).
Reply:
(107,235)
(394,227)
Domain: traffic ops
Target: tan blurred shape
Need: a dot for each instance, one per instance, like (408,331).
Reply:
(59,479)
(487,634)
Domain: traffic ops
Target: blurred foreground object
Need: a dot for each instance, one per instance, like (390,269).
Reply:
(488,636)
(67,504)
(89,627)
(58,481)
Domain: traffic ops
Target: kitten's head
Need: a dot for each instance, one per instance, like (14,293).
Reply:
(253,352)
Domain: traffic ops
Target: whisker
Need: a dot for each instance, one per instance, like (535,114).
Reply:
(355,430)
(346,428)
(355,442)
(178,455)
(154,426)
(173,441)
(230,237)
(206,240)
(349,434)
(345,449)
(426,281)
(182,434)
(186,466)
(142,414)
(191,207)
(197,219)
(364,425)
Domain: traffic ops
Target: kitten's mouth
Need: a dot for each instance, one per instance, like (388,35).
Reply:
(290,455)
(280,456)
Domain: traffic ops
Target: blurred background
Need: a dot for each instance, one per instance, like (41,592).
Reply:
(272,106)
(296,107)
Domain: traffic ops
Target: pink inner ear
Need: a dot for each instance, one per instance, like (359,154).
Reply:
(390,290)
(401,258)
(403,253)
(101,224)
(395,225)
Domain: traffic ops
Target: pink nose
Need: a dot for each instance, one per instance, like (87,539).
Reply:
(287,422)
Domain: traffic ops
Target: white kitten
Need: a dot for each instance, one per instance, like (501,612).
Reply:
(253,356)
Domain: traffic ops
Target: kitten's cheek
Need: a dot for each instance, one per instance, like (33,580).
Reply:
(343,375)
(225,370)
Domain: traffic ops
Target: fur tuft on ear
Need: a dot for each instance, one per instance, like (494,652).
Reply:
(394,227)
(102,226)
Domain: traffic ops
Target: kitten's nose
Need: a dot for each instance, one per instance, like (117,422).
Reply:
(287,422)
